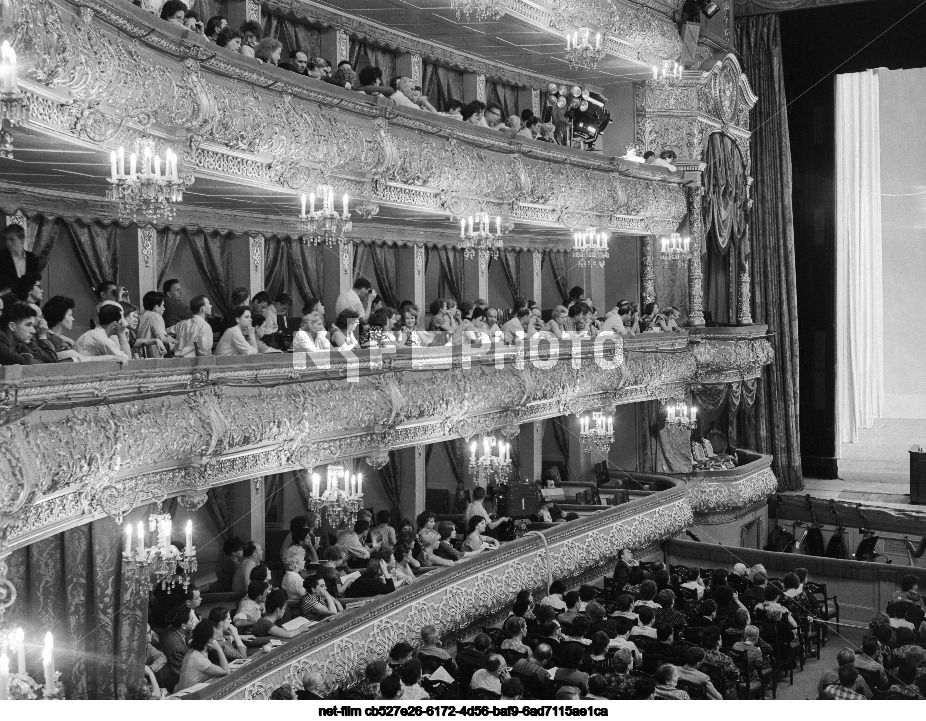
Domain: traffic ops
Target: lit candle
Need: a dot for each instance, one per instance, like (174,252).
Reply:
(470,225)
(598,41)
(498,225)
(120,157)
(302,215)
(189,537)
(665,245)
(472,452)
(133,161)
(141,542)
(312,203)
(4,677)
(485,447)
(462,228)
(359,484)
(11,58)
(19,639)
(694,413)
(345,204)
(128,541)
(568,42)
(48,665)
(146,161)
(112,165)
(157,166)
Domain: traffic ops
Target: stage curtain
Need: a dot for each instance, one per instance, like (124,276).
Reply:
(383,58)
(724,193)
(168,241)
(43,233)
(859,283)
(276,258)
(505,95)
(384,269)
(212,255)
(559,268)
(73,585)
(772,425)
(561,434)
(97,250)
(294,34)
(219,507)
(307,266)
(359,259)
(441,84)
(452,271)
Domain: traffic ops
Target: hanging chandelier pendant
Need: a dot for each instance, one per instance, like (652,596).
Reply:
(583,49)
(479,10)
(596,432)
(493,465)
(681,416)
(671,71)
(146,185)
(341,499)
(163,562)
(675,249)
(325,225)
(476,235)
(590,247)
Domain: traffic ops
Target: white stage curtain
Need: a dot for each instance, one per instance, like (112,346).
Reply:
(859,283)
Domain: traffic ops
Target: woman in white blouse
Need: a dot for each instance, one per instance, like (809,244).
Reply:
(311,336)
(344,329)
(405,565)
(294,563)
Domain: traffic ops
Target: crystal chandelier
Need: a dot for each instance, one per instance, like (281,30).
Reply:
(494,465)
(681,415)
(13,109)
(671,70)
(583,49)
(325,225)
(476,235)
(480,10)
(342,498)
(596,432)
(675,249)
(590,247)
(163,561)
(153,189)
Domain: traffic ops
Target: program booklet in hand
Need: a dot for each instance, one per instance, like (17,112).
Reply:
(297,622)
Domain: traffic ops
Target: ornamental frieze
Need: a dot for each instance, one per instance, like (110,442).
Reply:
(100,73)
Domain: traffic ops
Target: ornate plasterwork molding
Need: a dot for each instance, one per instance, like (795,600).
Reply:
(91,452)
(249,123)
(764,7)
(463,598)
(711,496)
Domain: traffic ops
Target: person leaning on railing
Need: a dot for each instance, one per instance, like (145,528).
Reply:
(317,603)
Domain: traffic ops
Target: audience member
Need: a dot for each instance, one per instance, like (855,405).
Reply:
(252,555)
(109,340)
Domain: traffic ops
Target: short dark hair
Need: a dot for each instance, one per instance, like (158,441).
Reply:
(261,297)
(152,299)
(232,545)
(109,313)
(410,673)
(103,286)
(906,672)
(848,675)
(708,606)
(218,614)
(576,292)
(445,529)
(26,283)
(169,284)
(572,598)
(253,27)
(647,615)
(400,650)
(390,686)
(482,642)
(56,308)
(649,154)
(663,631)
(239,310)
(361,527)
(908,582)
(344,316)
(213,24)
(226,36)
(694,655)
(202,633)
(249,548)
(513,688)
(276,600)
(370,75)
(422,518)
(172,7)
(13,230)
(361,283)
(256,589)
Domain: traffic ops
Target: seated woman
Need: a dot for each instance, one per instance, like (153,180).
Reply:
(263,328)
(430,540)
(379,332)
(227,635)
(294,563)
(475,541)
(241,338)
(383,534)
(343,330)
(672,316)
(454,316)
(311,336)
(440,321)
(447,531)
(408,326)
(317,603)
(59,315)
(374,581)
(516,629)
(275,610)
(652,321)
(404,570)
(556,324)
(574,323)
(555,598)
(197,668)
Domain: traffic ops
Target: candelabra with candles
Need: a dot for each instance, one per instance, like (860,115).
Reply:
(681,415)
(583,49)
(671,70)
(493,465)
(479,10)
(14,111)
(590,247)
(596,432)
(163,561)
(325,224)
(151,186)
(675,249)
(476,234)
(342,498)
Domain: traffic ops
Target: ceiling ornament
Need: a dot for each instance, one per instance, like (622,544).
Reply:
(14,111)
(142,184)
(478,10)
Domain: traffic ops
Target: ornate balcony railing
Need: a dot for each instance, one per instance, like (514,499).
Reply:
(105,72)
(81,441)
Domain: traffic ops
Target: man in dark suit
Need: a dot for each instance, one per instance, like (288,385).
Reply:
(311,687)
(15,260)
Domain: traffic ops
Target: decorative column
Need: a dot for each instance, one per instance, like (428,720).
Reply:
(258,511)
(239,11)
(346,275)
(409,65)
(418,292)
(535,101)
(484,274)
(335,45)
(256,264)
(537,277)
(413,480)
(531,440)
(649,270)
(474,87)
(147,260)
(18,218)
(695,278)
(744,294)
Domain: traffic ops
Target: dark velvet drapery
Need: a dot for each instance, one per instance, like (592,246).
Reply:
(452,272)
(97,249)
(384,268)
(558,262)
(363,54)
(773,424)
(275,262)
(307,263)
(73,585)
(212,255)
(505,95)
(511,267)
(441,84)
(294,34)
(390,476)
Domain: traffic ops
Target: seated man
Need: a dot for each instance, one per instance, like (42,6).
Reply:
(351,542)
(646,627)
(194,334)
(18,328)
(489,679)
(845,689)
(109,340)
(374,581)
(275,610)
(251,607)
(666,681)
(475,508)
(845,657)
(691,673)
